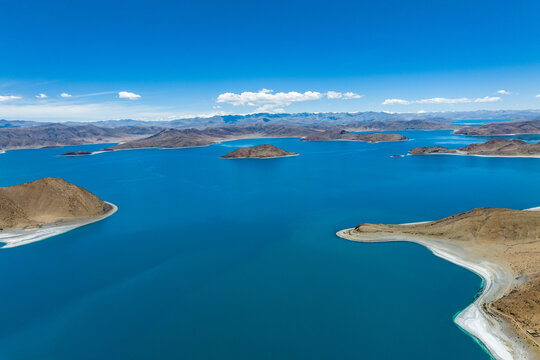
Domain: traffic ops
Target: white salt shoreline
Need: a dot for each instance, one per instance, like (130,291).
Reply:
(461,153)
(488,330)
(22,237)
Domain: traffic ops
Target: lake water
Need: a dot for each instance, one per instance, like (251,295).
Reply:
(237,259)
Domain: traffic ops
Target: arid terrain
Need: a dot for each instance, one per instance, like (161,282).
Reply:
(508,238)
(493,147)
(47,201)
(61,135)
(502,128)
(258,152)
(173,138)
(330,135)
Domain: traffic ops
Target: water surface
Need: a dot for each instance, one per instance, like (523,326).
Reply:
(237,259)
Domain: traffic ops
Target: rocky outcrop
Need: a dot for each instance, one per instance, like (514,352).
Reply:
(258,152)
(494,147)
(329,135)
(502,128)
(77,153)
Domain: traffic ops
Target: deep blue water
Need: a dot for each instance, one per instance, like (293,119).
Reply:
(237,259)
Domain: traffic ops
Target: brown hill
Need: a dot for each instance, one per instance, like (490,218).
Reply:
(494,147)
(486,225)
(258,152)
(508,238)
(346,135)
(45,201)
(502,128)
(59,135)
(173,138)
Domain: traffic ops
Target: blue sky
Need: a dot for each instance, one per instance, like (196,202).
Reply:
(171,59)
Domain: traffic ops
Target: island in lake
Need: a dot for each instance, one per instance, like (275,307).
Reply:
(77,153)
(500,245)
(494,147)
(502,128)
(39,209)
(344,135)
(265,151)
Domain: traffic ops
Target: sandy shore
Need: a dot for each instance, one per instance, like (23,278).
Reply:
(493,332)
(22,237)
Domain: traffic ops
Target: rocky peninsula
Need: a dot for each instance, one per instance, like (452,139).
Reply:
(265,151)
(174,138)
(500,245)
(39,209)
(502,128)
(344,135)
(494,147)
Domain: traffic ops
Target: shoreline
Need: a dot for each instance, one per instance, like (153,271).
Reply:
(258,158)
(494,332)
(486,156)
(21,237)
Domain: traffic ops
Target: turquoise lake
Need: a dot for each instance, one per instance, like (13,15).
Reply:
(209,258)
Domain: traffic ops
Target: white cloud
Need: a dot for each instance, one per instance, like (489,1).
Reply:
(128,95)
(345,96)
(396,101)
(504,92)
(439,100)
(9,97)
(351,95)
(538,96)
(41,96)
(334,95)
(65,95)
(267,100)
(486,99)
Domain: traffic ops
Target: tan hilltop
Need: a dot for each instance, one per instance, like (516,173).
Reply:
(494,147)
(47,201)
(502,242)
(502,128)
(264,151)
(174,138)
(349,136)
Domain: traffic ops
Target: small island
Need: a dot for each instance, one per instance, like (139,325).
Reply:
(43,208)
(265,151)
(344,135)
(77,153)
(500,245)
(494,147)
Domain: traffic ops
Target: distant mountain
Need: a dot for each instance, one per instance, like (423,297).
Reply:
(502,128)
(400,125)
(60,135)
(19,123)
(305,119)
